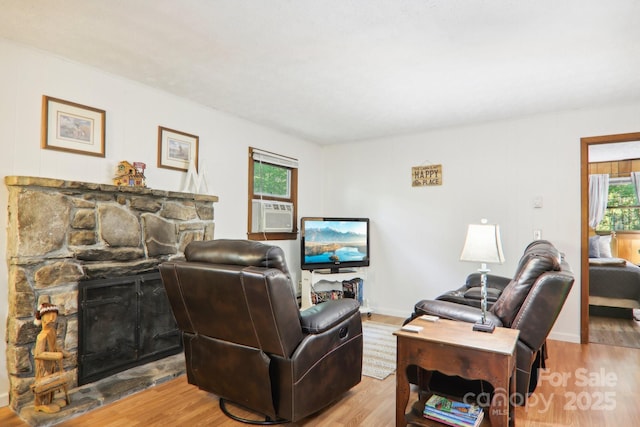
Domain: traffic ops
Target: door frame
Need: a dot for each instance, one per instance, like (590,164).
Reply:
(585,143)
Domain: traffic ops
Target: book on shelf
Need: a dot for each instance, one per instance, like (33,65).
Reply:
(453,422)
(452,412)
(353,289)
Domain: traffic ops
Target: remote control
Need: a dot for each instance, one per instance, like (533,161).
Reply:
(412,328)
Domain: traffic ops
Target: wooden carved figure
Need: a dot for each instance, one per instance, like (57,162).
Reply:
(50,375)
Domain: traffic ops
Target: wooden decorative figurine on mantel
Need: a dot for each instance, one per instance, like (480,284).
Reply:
(130,175)
(50,375)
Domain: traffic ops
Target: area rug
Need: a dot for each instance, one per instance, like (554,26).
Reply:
(379,349)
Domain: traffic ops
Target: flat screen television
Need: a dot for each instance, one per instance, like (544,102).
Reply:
(334,243)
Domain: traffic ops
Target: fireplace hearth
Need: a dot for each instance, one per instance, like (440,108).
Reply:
(64,236)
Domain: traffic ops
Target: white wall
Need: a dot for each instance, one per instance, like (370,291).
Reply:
(133,114)
(492,171)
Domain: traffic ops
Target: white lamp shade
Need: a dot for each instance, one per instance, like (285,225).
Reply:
(483,244)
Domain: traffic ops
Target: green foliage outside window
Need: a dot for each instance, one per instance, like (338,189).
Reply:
(270,180)
(623,212)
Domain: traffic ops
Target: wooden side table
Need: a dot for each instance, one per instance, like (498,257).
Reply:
(453,348)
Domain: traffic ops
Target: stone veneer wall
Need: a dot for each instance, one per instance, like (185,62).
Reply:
(62,232)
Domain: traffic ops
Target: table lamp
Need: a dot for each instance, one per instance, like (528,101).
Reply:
(483,245)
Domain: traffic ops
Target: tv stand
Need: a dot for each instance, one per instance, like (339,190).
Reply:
(336,270)
(327,279)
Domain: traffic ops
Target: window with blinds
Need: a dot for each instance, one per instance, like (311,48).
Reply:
(272,196)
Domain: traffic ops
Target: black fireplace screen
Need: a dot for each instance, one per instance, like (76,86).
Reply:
(123,322)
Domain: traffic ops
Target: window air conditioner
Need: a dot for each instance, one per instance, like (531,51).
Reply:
(270,216)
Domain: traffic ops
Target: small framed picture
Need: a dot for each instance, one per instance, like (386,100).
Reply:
(71,127)
(176,150)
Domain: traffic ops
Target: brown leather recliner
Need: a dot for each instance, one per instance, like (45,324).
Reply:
(245,339)
(530,302)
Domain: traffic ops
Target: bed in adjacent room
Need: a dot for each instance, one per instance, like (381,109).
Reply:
(613,282)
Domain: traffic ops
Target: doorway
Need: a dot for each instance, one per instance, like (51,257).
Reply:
(587,144)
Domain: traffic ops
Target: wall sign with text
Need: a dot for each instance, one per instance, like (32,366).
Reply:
(422,176)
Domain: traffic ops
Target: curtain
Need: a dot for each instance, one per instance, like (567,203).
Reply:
(635,178)
(598,194)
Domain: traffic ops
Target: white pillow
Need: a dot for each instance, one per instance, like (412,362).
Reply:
(604,244)
(594,248)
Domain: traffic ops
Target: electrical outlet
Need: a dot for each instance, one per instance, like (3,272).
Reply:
(537,234)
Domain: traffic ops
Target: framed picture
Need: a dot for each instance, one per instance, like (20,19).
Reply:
(176,150)
(71,127)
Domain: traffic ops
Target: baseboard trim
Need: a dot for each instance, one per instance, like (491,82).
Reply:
(389,312)
(563,336)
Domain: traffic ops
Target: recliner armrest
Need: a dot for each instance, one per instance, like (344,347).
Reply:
(453,311)
(493,281)
(476,294)
(324,316)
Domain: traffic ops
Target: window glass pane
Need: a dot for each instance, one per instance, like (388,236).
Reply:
(271,180)
(621,195)
(623,212)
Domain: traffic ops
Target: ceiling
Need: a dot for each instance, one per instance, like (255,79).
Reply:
(334,71)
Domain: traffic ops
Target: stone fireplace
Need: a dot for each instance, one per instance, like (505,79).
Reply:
(62,233)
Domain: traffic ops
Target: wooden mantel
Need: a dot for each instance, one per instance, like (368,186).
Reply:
(32,181)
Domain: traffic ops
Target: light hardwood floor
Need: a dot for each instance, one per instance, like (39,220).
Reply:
(614,331)
(586,385)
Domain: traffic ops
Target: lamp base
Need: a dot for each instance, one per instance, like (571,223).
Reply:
(484,327)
